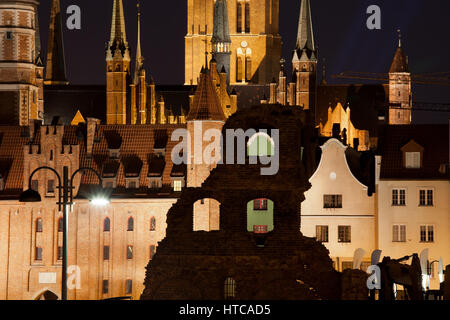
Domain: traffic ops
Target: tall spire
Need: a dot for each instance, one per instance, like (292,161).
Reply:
(139,57)
(221,40)
(118,38)
(305,34)
(37,43)
(56,65)
(400,62)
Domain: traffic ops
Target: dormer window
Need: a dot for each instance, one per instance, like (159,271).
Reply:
(132,183)
(412,160)
(412,155)
(114,153)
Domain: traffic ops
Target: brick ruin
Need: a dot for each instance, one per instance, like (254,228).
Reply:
(281,264)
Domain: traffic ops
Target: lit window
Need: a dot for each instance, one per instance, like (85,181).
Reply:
(230,289)
(412,160)
(426,233)
(399,233)
(344,234)
(399,197)
(332,201)
(322,233)
(177,185)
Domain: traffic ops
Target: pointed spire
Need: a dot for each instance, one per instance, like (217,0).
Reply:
(118,38)
(206,104)
(56,65)
(305,47)
(221,30)
(139,58)
(400,62)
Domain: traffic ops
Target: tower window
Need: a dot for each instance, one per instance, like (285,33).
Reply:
(8,35)
(239,68)
(39,227)
(129,286)
(106,253)
(38,254)
(130,224)
(106,225)
(129,252)
(60,225)
(152,224)
(239,18)
(105,286)
(247,17)
(248,69)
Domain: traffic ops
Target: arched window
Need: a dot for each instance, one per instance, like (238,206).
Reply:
(39,225)
(260,215)
(260,144)
(60,225)
(230,289)
(106,224)
(248,69)
(130,224)
(239,69)
(206,215)
(152,224)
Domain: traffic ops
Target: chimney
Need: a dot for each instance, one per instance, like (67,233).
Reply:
(91,128)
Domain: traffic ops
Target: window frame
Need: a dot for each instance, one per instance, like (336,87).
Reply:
(399,233)
(335,203)
(324,236)
(347,232)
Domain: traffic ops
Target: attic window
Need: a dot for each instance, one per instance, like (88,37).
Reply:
(412,160)
(114,153)
(132,183)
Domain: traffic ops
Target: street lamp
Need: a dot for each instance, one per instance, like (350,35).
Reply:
(65,198)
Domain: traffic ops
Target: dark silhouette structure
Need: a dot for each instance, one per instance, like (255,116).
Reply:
(233,262)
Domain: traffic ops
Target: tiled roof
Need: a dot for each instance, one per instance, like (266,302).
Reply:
(12,140)
(400,62)
(136,152)
(206,105)
(433,138)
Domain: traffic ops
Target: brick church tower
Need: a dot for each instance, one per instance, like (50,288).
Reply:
(400,95)
(255,39)
(21,71)
(304,61)
(117,68)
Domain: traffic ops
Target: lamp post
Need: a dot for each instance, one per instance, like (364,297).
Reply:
(65,198)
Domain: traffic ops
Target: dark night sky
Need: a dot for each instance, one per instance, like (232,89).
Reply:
(340,32)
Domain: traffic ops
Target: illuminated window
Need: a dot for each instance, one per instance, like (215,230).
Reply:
(399,197)
(332,201)
(177,185)
(230,289)
(412,160)
(247,17)
(426,198)
(239,18)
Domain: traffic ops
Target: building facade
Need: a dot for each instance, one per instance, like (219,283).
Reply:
(255,40)
(21,77)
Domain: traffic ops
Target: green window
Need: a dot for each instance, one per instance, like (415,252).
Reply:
(261,144)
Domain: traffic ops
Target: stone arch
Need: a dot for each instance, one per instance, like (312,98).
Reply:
(46,295)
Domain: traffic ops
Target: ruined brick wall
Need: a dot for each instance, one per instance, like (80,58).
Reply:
(354,285)
(282,264)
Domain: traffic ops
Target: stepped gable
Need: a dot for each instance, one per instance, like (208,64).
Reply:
(194,265)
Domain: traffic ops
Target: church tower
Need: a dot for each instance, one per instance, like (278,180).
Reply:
(255,49)
(117,68)
(304,61)
(205,113)
(221,41)
(55,72)
(400,96)
(21,95)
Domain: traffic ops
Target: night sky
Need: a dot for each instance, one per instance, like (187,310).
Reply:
(340,32)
